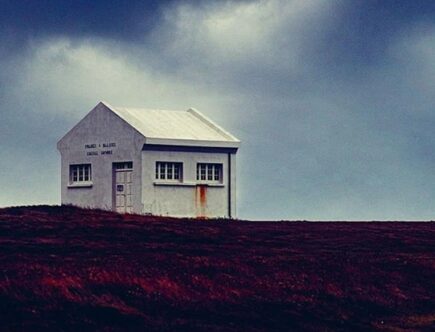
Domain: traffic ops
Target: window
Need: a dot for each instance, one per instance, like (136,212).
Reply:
(169,171)
(209,172)
(80,173)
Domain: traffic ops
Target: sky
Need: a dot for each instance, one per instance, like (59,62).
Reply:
(333,100)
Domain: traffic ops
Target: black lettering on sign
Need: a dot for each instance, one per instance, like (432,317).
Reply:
(99,146)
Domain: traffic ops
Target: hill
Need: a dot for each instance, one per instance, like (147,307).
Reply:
(70,269)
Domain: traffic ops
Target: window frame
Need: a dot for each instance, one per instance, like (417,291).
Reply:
(80,174)
(168,171)
(209,173)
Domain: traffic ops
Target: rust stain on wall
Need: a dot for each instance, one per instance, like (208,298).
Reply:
(203,195)
(201,201)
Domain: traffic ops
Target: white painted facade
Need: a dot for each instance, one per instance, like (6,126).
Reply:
(172,163)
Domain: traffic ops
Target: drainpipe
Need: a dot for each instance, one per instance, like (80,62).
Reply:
(229,186)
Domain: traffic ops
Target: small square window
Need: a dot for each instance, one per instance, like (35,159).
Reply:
(80,173)
(169,171)
(207,172)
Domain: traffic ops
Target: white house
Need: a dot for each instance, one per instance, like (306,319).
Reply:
(175,163)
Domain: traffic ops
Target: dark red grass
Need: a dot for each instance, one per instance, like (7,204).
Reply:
(64,268)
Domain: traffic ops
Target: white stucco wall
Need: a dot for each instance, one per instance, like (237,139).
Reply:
(187,199)
(99,127)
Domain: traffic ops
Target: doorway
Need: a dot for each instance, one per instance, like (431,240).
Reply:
(122,187)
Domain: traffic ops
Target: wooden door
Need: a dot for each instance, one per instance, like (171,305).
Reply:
(123,190)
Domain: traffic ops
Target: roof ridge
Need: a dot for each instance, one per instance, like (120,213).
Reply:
(147,109)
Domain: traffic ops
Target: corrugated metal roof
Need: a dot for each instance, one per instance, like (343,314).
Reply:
(164,125)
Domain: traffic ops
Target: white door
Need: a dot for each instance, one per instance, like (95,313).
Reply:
(123,194)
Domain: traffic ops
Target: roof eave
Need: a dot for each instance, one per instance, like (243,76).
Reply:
(188,142)
(212,124)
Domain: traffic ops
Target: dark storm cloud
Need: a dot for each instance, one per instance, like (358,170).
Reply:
(333,100)
(116,19)
(365,29)
(360,35)
(25,20)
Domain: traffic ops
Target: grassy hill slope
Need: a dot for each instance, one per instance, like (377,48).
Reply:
(70,269)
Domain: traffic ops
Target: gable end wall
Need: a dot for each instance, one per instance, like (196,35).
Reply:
(100,126)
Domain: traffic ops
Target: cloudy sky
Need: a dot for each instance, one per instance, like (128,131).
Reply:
(334,101)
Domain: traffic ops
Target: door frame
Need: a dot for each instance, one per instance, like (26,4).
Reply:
(116,166)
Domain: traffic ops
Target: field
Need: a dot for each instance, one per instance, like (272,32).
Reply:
(68,269)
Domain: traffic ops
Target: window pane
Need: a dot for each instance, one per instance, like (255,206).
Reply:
(170,170)
(217,173)
(176,171)
(203,170)
(162,171)
(80,173)
(210,172)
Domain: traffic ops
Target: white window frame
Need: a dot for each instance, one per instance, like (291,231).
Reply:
(209,172)
(80,174)
(169,171)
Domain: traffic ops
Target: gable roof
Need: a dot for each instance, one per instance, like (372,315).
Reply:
(165,127)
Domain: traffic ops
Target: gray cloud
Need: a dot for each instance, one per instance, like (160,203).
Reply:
(327,133)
